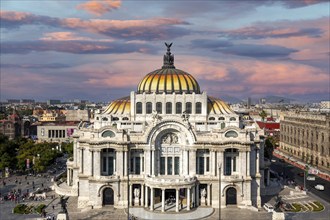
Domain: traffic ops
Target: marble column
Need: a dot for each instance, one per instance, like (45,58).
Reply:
(177,200)
(91,153)
(142,195)
(213,163)
(125,163)
(152,199)
(119,163)
(192,162)
(152,162)
(188,199)
(97,163)
(208,195)
(257,161)
(131,194)
(220,159)
(163,200)
(248,165)
(197,195)
(146,198)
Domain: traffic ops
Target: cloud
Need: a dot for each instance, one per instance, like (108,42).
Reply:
(99,7)
(150,29)
(62,36)
(75,47)
(301,3)
(210,44)
(259,32)
(36,66)
(257,51)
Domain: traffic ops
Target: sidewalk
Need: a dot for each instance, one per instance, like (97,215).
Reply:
(297,163)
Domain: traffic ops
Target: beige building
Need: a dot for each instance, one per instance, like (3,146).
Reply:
(164,144)
(306,135)
(51,132)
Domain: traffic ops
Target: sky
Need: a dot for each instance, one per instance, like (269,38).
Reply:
(100,50)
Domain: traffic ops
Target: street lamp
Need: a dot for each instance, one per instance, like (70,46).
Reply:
(128,188)
(219,166)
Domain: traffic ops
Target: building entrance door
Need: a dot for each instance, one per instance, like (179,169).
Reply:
(231,196)
(108,196)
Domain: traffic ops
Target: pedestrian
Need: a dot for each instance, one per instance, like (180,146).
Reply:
(53,207)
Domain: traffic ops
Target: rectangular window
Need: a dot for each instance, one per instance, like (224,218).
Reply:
(198,108)
(207,164)
(169,166)
(159,107)
(228,166)
(176,165)
(104,164)
(162,166)
(149,107)
(188,107)
(137,165)
(139,108)
(178,108)
(234,164)
(168,108)
(110,165)
(131,168)
(142,164)
(201,165)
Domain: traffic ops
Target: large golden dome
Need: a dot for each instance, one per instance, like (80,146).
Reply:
(168,79)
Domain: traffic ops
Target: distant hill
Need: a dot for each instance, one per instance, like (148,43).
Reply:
(278,99)
(230,99)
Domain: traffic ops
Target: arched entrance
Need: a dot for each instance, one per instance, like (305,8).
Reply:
(108,198)
(231,196)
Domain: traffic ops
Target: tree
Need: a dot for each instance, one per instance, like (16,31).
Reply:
(263,115)
(269,147)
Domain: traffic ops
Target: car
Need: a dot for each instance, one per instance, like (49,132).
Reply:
(310,178)
(268,207)
(273,160)
(319,187)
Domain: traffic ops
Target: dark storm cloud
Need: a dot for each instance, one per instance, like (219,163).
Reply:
(259,32)
(151,29)
(75,47)
(257,51)
(300,3)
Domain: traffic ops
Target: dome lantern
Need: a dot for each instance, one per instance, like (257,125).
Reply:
(168,79)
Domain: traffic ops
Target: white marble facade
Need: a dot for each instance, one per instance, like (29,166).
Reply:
(171,142)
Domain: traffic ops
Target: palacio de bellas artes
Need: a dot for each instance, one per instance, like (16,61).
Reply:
(167,141)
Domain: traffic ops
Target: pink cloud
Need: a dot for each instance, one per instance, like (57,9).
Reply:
(61,36)
(14,15)
(99,7)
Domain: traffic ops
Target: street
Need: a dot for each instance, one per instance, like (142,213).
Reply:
(290,172)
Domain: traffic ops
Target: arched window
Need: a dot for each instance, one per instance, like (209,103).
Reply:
(125,119)
(232,119)
(198,108)
(168,107)
(104,119)
(149,107)
(108,134)
(139,108)
(188,107)
(211,118)
(222,118)
(115,119)
(178,108)
(231,134)
(159,107)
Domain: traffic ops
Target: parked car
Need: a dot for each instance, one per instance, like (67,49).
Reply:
(311,178)
(319,187)
(268,207)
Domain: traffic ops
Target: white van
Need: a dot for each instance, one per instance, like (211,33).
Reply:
(268,207)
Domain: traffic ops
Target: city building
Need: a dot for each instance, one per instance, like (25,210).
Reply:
(167,142)
(59,132)
(306,135)
(77,115)
(11,126)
